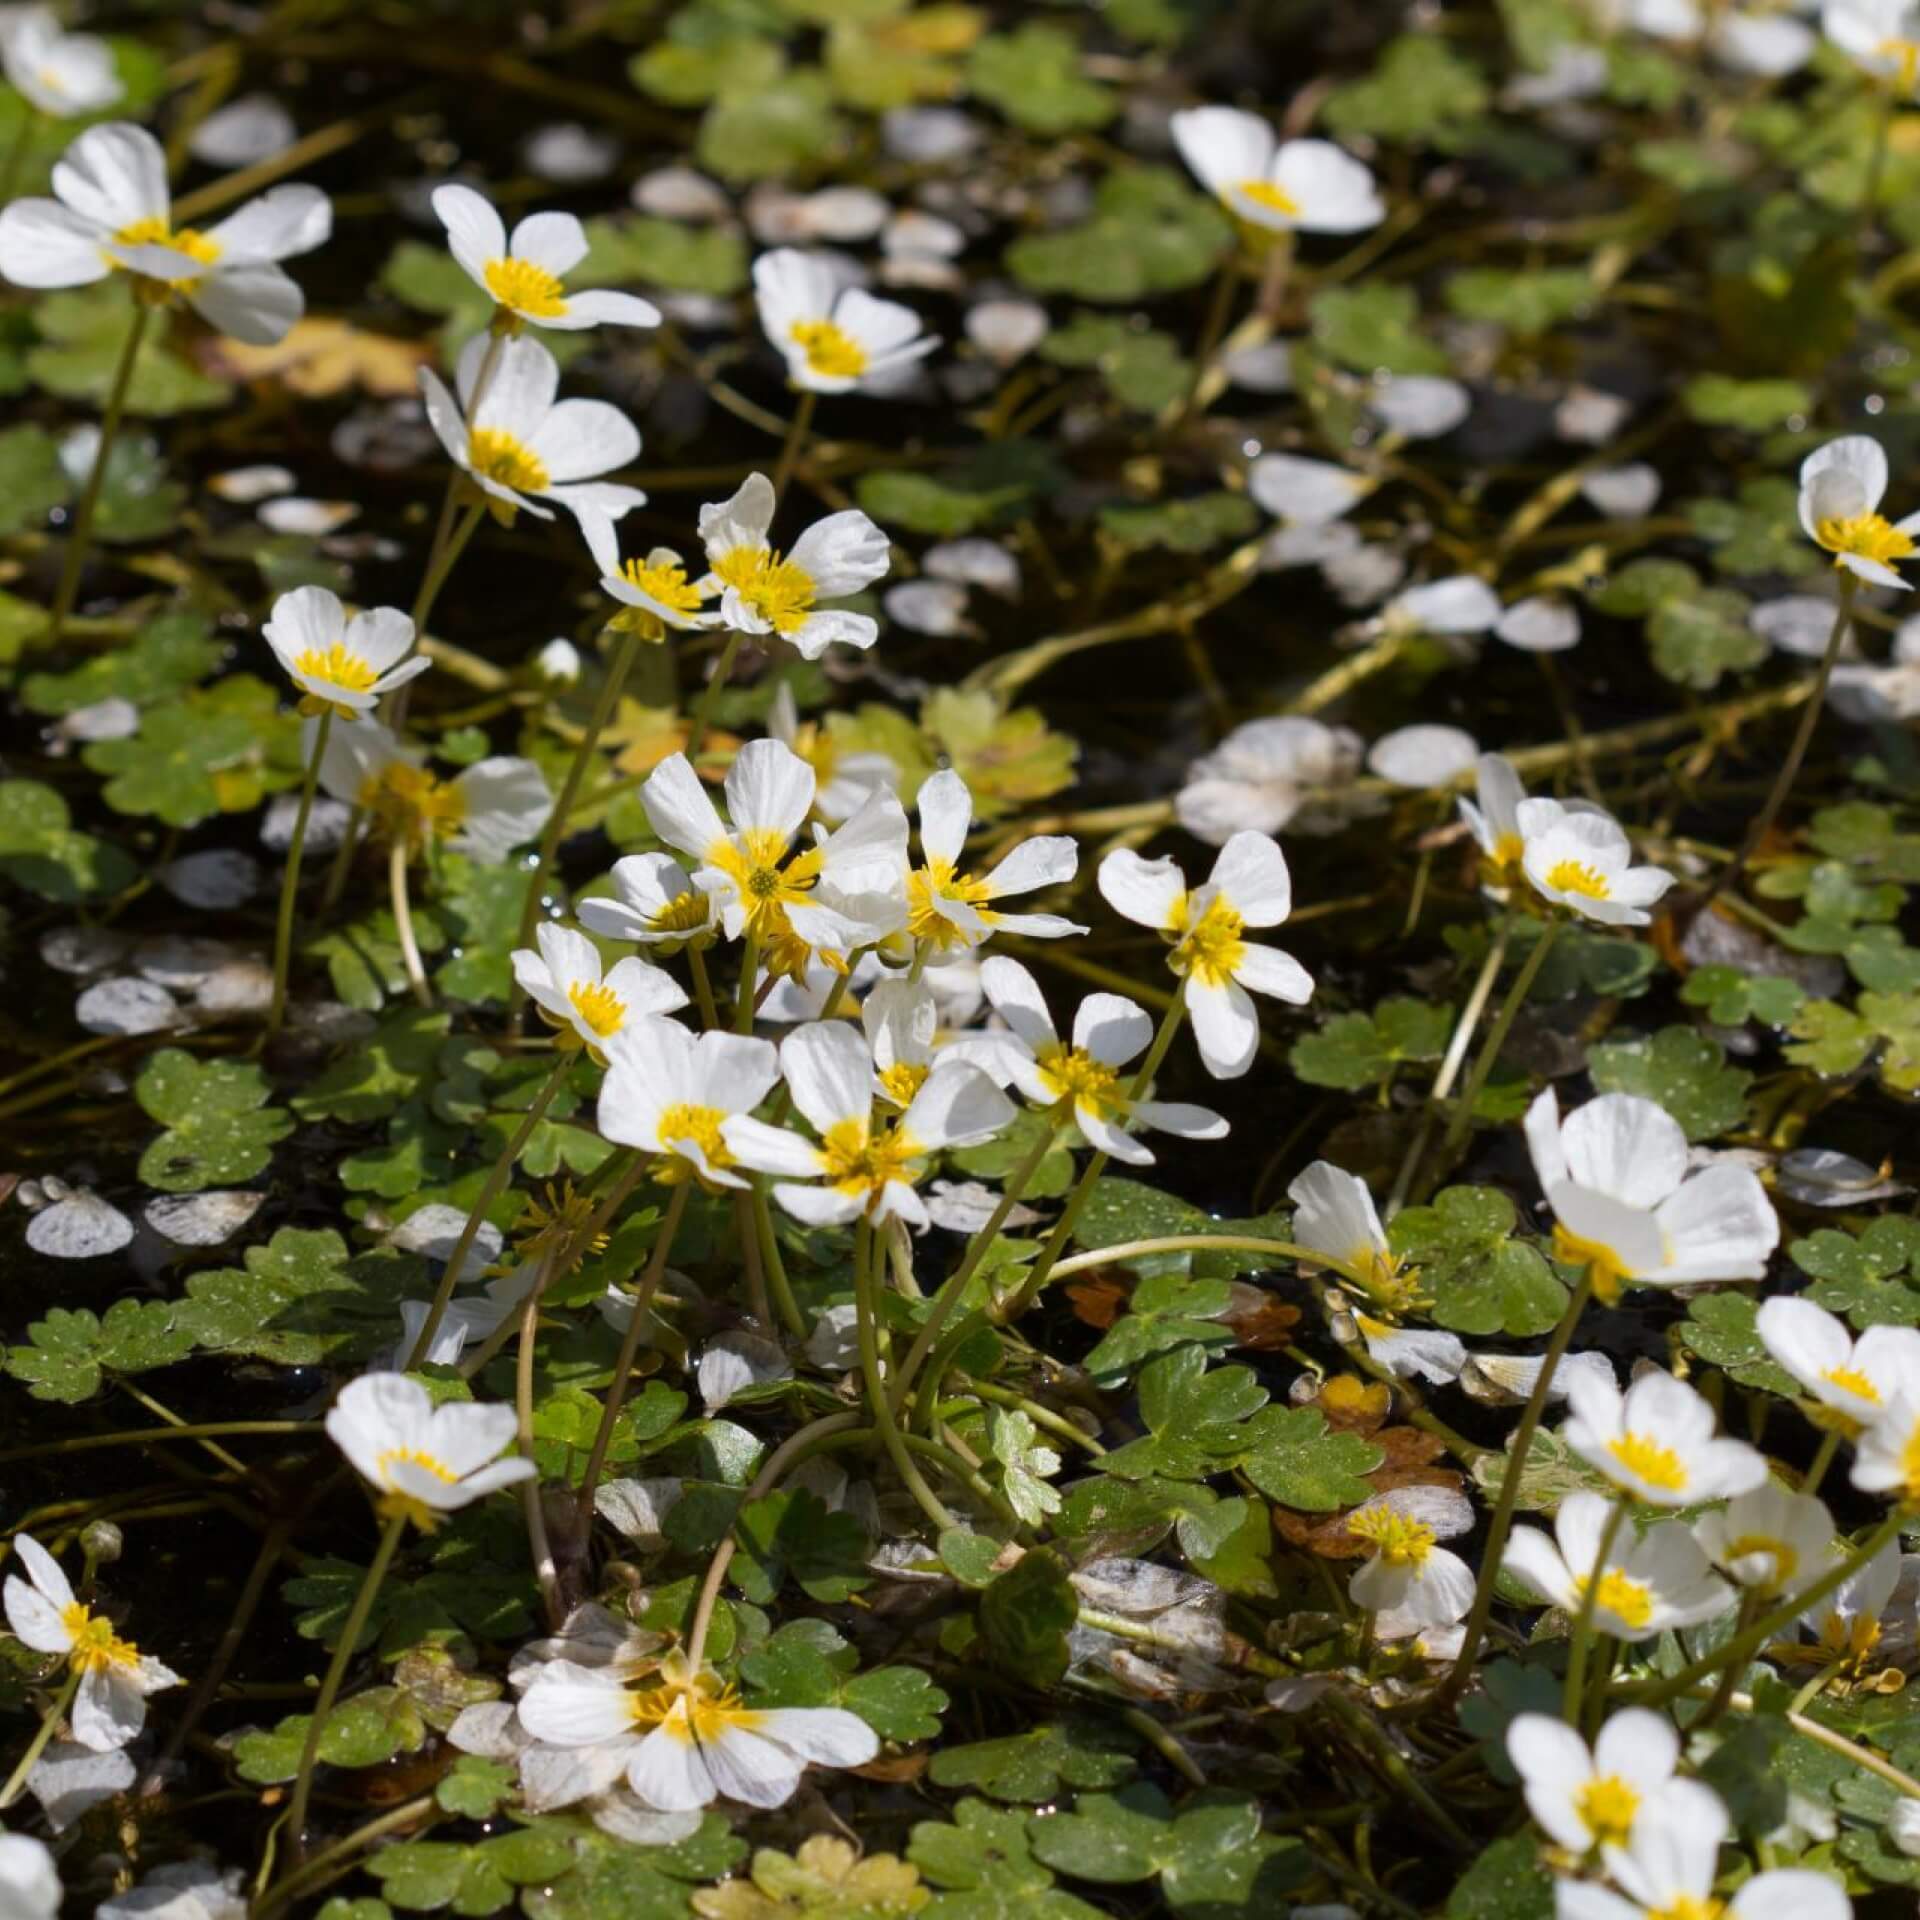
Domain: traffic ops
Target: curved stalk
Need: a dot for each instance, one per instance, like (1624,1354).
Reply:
(403,921)
(290,881)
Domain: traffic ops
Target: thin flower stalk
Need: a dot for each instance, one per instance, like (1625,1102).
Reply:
(290,880)
(1462,1122)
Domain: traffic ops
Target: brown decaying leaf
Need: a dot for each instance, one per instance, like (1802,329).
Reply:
(321,357)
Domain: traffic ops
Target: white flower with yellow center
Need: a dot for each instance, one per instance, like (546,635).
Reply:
(1887,1456)
(522,443)
(1855,1380)
(1495,822)
(523,276)
(1248,887)
(1768,1540)
(1846,1624)
(901,1020)
(848,890)
(1841,487)
(655,904)
(689,1739)
(843,777)
(485,811)
(423,1461)
(833,340)
(1085,1079)
(863,1171)
(1650,1582)
(1669,1870)
(1881,37)
(115,1677)
(111,211)
(1615,1174)
(670,1092)
(1410,1583)
(655,595)
(948,907)
(346,665)
(1658,1441)
(1580,859)
(589,1006)
(1310,186)
(61,74)
(1584,1798)
(762,591)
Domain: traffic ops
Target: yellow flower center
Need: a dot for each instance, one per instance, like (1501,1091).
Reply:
(96,1646)
(408,800)
(526,288)
(1689,1906)
(599,1007)
(1575,876)
(1271,199)
(1849,1638)
(1210,947)
(668,584)
(395,1503)
(752,861)
(338,667)
(1907,54)
(156,233)
(1507,851)
(859,1164)
(1607,1804)
(1395,1537)
(699,1710)
(1073,1075)
(1867,536)
(1630,1601)
(778,591)
(831,351)
(701,1125)
(1852,1380)
(497,456)
(1650,1461)
(902,1081)
(1910,1464)
(938,880)
(1763,1545)
(1609,1273)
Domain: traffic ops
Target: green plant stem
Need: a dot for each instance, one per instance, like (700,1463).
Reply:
(440,563)
(290,881)
(702,721)
(1822,1460)
(1502,1522)
(1570,1700)
(543,869)
(80,536)
(30,118)
(497,1178)
(790,448)
(749,975)
(55,1713)
(775,1264)
(1125,1250)
(630,1347)
(403,921)
(336,1672)
(325,1865)
(539,1541)
(702,987)
(867,1316)
(1762,823)
(142,1436)
(1461,1123)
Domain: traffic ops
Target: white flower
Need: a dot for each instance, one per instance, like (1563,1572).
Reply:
(689,1740)
(766,592)
(1881,37)
(558,663)
(1670,1866)
(1419,406)
(1408,1581)
(842,779)
(111,210)
(589,1006)
(1903,1826)
(1615,1173)
(29,1881)
(1841,487)
(1580,859)
(485,811)
(110,1707)
(1856,1379)
(1658,1441)
(336,662)
(1248,887)
(1495,822)
(1281,185)
(61,74)
(1267,774)
(522,443)
(1540,624)
(1652,1581)
(1585,1799)
(901,1020)
(670,1093)
(833,340)
(848,890)
(734,1362)
(1085,1078)
(1423,756)
(424,1460)
(1767,1539)
(655,904)
(1887,1456)
(863,1172)
(1847,1621)
(655,594)
(948,908)
(523,276)
(1306,493)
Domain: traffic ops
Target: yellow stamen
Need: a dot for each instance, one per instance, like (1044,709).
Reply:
(902,1081)
(1689,1906)
(96,1646)
(667,584)
(684,913)
(701,1126)
(1073,1075)
(1609,1273)
(777,590)
(408,800)
(1270,198)
(938,880)
(1907,54)
(394,1503)
(1852,1380)
(1866,536)
(752,861)
(498,456)
(1762,1545)
(1575,876)
(831,351)
(1210,947)
(1910,1464)
(156,233)
(338,667)
(1630,1601)
(526,288)
(859,1164)
(1395,1537)
(1507,852)
(1648,1460)
(1607,1804)
(599,1007)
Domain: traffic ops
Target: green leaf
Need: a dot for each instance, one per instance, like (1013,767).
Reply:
(1419,91)
(1181,526)
(1732,996)
(1164,1311)
(70,1351)
(1027,1467)
(1757,532)
(371,1080)
(1032,1767)
(1721,1330)
(1295,1460)
(472,1879)
(1197,1418)
(362,1732)
(169,655)
(1033,75)
(476,1788)
(987,1861)
(192,760)
(616,1880)
(219,1130)
(1143,368)
(1149,233)
(1682,1070)
(32,480)
(1480,1278)
(1703,635)
(1642,586)
(1507,1882)
(1025,1617)
(1523,302)
(787,126)
(796,1533)
(1374,328)
(41,851)
(1121,1210)
(650,252)
(137,499)
(1754,406)
(1355,1050)
(84,333)
(1864,1277)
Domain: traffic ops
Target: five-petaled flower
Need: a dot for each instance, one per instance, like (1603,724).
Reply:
(1841,487)
(586,1003)
(1282,185)
(833,340)
(424,1461)
(949,908)
(336,662)
(670,1093)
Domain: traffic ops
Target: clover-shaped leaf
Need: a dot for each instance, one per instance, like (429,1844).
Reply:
(1375,328)
(1731,996)
(986,1861)
(612,1879)
(1865,1277)
(475,1878)
(83,334)
(1698,637)
(1355,1050)
(1034,75)
(826,1877)
(1149,233)
(1480,1278)
(32,480)
(1721,1330)
(219,1129)
(1026,1615)
(68,1353)
(1031,1767)
(361,1732)
(1027,1467)
(1143,367)
(1420,90)
(1293,1458)
(42,851)
(1681,1070)
(795,1534)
